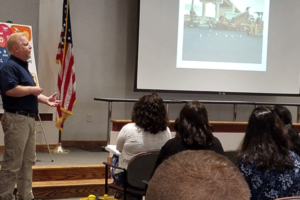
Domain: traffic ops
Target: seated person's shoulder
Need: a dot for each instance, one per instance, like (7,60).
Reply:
(295,157)
(129,126)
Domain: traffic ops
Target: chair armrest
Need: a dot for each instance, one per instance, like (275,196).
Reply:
(146,182)
(108,164)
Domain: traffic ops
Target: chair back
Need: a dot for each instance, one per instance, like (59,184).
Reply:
(140,169)
(289,198)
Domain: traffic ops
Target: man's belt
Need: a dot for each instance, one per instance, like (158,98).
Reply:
(21,112)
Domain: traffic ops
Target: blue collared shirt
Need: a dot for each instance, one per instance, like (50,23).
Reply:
(13,73)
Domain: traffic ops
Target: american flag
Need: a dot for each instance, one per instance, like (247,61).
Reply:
(66,76)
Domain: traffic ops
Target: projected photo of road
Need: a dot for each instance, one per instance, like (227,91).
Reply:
(223,34)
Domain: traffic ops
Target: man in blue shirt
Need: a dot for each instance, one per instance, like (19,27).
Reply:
(20,97)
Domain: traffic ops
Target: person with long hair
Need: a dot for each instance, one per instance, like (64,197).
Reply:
(193,132)
(286,117)
(148,132)
(269,168)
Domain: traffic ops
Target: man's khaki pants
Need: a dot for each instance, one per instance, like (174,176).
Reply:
(19,156)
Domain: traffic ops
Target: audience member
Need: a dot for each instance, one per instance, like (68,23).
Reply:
(197,175)
(269,168)
(193,132)
(148,132)
(286,117)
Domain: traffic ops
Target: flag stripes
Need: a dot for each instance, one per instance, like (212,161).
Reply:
(66,77)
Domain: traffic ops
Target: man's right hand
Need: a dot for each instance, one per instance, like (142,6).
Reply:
(35,90)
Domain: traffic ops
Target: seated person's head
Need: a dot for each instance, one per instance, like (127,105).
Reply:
(265,141)
(150,113)
(192,125)
(284,114)
(286,117)
(201,175)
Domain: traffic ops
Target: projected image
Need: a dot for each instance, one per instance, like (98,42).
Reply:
(223,34)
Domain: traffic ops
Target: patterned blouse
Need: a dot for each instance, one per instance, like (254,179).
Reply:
(267,185)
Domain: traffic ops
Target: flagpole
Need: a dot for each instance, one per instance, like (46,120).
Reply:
(59,149)
(59,136)
(66,76)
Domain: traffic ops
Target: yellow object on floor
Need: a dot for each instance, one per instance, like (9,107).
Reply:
(93,197)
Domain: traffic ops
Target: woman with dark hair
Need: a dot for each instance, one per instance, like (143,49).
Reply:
(193,132)
(147,132)
(286,117)
(269,168)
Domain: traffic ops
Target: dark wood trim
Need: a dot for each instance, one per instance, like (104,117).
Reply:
(229,127)
(44,117)
(219,126)
(43,147)
(83,143)
(118,124)
(226,127)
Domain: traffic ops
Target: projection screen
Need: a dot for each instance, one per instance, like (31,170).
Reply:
(230,46)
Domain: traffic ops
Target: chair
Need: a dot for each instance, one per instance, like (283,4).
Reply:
(232,156)
(138,172)
(290,198)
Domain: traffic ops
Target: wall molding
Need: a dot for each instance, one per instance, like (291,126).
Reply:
(44,117)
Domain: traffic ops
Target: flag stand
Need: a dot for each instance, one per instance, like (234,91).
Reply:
(59,149)
(45,136)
